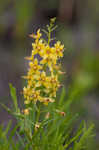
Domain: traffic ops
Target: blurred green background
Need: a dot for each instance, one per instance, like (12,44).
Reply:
(78,29)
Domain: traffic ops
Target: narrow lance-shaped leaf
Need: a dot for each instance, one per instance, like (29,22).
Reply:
(62,96)
(14,97)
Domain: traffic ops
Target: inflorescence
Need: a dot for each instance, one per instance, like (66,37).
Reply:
(44,68)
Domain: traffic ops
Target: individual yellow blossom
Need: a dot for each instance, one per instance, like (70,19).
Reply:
(27,102)
(35,95)
(50,61)
(26,111)
(38,48)
(33,73)
(59,49)
(26,91)
(48,51)
(37,36)
(31,94)
(53,81)
(52,86)
(47,100)
(32,83)
(34,65)
(48,56)
(42,78)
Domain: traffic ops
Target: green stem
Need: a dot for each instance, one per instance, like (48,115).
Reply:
(38,114)
(49,36)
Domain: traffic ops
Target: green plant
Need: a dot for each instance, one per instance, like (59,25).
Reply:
(46,122)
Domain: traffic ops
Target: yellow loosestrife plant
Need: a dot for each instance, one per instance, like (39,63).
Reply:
(46,122)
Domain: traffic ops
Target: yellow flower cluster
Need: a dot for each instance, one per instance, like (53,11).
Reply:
(42,76)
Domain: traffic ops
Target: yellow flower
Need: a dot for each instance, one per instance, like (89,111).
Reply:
(27,92)
(52,85)
(47,100)
(46,60)
(59,49)
(35,95)
(34,66)
(54,81)
(37,36)
(26,102)
(49,51)
(38,48)
(48,56)
(26,111)
(32,83)
(41,79)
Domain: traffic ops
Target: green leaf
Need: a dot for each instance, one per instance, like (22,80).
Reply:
(14,97)
(6,108)
(87,135)
(20,139)
(63,93)
(7,128)
(73,139)
(54,28)
(45,32)
(13,131)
